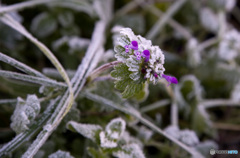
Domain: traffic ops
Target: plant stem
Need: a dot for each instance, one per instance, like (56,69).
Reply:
(102,68)
(162,20)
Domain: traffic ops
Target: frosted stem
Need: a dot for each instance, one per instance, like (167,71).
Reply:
(154,106)
(20,66)
(32,79)
(162,20)
(102,68)
(23,5)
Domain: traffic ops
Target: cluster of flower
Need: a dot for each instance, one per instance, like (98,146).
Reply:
(143,59)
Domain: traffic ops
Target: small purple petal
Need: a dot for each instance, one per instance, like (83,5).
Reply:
(146,55)
(126,48)
(170,79)
(134,45)
(138,55)
(155,75)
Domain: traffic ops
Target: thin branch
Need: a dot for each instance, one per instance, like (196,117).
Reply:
(20,66)
(163,20)
(23,5)
(154,106)
(102,68)
(8,101)
(219,102)
(53,73)
(32,79)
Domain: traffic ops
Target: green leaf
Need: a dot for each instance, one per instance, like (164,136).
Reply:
(131,89)
(143,94)
(44,24)
(96,154)
(124,82)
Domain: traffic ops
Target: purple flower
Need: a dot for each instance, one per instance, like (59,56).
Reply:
(155,75)
(138,55)
(126,48)
(146,55)
(134,45)
(170,79)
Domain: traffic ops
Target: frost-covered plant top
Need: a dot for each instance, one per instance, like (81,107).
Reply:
(140,62)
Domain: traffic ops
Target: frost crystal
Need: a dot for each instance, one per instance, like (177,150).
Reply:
(87,130)
(115,128)
(173,131)
(189,137)
(194,57)
(130,151)
(113,132)
(144,60)
(24,113)
(186,136)
(229,46)
(107,142)
(145,133)
(60,154)
(209,20)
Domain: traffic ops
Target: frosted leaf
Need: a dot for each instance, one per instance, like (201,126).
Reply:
(235,95)
(44,24)
(60,154)
(106,142)
(73,42)
(24,113)
(173,131)
(188,137)
(209,20)
(194,58)
(115,128)
(87,130)
(129,151)
(145,133)
(66,18)
(128,139)
(229,46)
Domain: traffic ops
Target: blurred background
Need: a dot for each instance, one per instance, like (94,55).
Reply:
(201,43)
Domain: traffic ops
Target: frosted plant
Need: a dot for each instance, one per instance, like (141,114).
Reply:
(229,46)
(87,130)
(188,137)
(24,113)
(140,62)
(60,154)
(173,131)
(113,132)
(194,57)
(145,133)
(209,19)
(130,151)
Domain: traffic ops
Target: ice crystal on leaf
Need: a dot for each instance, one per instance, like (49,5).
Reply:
(141,62)
(60,154)
(113,132)
(229,46)
(87,130)
(130,151)
(24,113)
